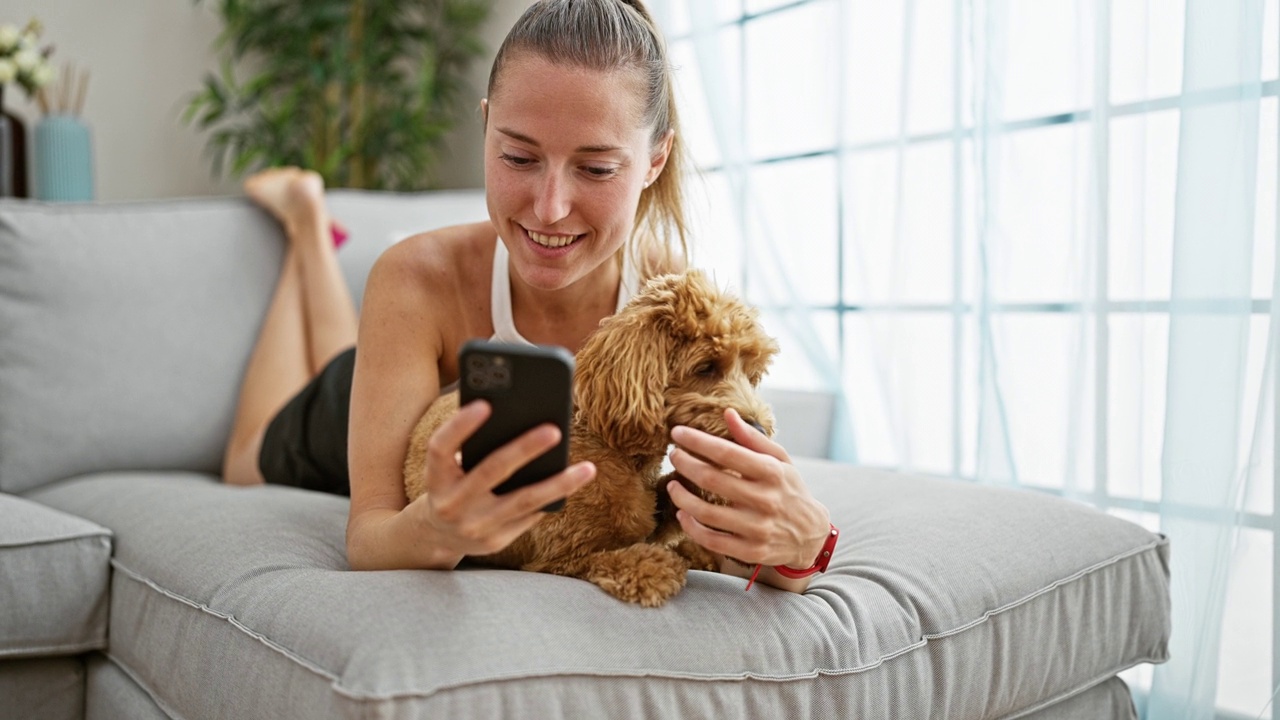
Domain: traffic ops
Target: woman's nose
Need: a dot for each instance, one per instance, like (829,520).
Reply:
(553,201)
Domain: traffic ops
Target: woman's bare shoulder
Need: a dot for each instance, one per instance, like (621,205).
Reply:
(440,261)
(435,283)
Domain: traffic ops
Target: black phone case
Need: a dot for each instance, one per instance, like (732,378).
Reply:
(526,385)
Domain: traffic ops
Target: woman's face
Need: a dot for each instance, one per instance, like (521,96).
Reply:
(566,157)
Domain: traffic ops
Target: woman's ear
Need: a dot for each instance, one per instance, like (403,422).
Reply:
(484,112)
(658,160)
(620,381)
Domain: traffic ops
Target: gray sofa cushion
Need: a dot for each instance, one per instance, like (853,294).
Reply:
(110,694)
(1109,699)
(125,328)
(44,689)
(54,571)
(943,600)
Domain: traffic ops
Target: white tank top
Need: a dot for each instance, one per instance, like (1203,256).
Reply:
(504,325)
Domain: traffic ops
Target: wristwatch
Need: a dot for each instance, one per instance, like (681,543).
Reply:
(819,565)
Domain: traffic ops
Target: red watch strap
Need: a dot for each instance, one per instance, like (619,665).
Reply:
(819,565)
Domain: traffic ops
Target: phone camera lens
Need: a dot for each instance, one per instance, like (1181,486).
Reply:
(477,362)
(478,380)
(501,376)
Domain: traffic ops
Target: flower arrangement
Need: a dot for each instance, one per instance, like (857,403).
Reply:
(22,60)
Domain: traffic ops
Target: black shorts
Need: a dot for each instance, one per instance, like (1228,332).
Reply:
(306,443)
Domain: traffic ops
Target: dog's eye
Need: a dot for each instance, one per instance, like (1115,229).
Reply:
(706,369)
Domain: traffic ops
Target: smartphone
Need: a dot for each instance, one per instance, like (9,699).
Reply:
(526,386)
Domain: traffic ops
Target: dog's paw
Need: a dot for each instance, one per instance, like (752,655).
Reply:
(647,575)
(699,558)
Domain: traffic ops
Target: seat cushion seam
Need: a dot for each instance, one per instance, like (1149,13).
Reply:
(54,540)
(29,653)
(1114,560)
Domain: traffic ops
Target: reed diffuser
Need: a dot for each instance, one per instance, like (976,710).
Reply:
(63,147)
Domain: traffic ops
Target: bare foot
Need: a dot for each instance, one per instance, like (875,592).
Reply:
(293,195)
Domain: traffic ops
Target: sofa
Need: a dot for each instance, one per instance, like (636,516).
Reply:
(134,585)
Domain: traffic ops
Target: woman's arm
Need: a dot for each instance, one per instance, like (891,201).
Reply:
(771,519)
(396,377)
(408,302)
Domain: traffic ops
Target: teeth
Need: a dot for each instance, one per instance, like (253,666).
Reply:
(551,241)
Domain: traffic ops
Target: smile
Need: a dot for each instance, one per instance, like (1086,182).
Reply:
(551,241)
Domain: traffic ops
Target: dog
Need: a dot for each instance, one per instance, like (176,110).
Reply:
(680,352)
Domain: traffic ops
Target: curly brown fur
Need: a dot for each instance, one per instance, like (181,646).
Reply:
(680,353)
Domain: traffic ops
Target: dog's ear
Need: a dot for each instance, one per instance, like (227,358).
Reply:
(621,377)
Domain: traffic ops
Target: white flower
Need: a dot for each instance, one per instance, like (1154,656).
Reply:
(8,37)
(26,60)
(8,71)
(42,75)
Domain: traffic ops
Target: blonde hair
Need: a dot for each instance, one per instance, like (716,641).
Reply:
(611,35)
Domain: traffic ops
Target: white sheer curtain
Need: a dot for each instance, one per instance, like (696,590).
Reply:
(1028,243)
(764,263)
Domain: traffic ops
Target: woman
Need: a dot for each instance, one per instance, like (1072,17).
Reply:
(582,178)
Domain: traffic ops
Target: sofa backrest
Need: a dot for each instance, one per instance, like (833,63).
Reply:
(125,328)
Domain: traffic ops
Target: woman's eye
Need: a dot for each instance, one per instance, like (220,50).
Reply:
(601,172)
(516,160)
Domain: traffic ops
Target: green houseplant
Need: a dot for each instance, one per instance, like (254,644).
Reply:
(362,91)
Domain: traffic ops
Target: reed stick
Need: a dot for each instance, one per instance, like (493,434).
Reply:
(80,92)
(64,89)
(66,96)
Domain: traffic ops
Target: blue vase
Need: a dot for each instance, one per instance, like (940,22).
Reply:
(64,159)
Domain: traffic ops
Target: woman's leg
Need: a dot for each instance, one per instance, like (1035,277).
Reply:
(310,320)
(330,315)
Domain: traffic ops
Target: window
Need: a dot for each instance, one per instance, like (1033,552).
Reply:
(853,122)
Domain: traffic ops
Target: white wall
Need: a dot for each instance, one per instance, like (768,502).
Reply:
(147,57)
(466,165)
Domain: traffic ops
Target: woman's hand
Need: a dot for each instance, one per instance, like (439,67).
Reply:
(771,518)
(459,512)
